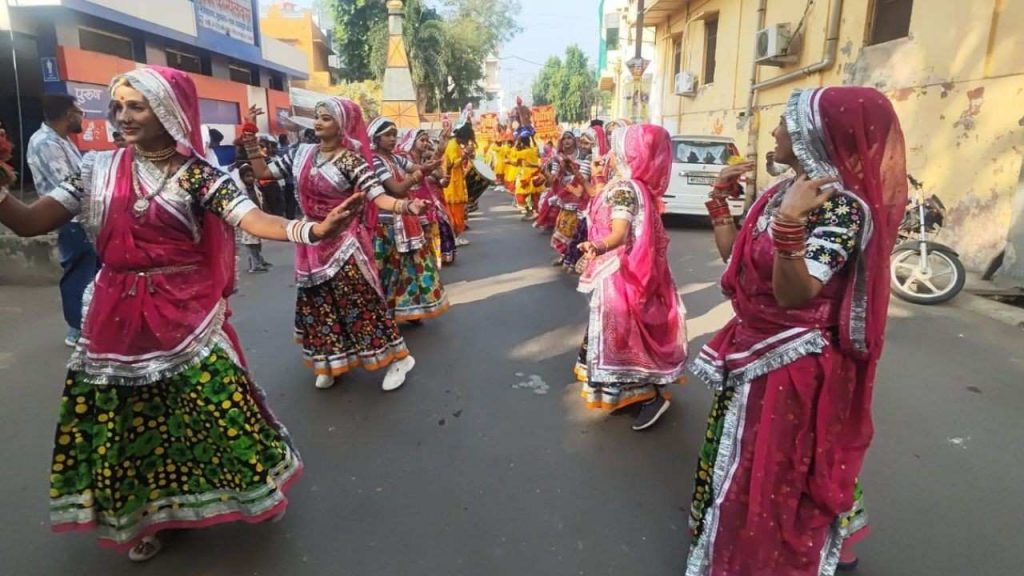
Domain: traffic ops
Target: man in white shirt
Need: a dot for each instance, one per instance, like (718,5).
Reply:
(53,158)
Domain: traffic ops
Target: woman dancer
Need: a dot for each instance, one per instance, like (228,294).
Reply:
(161,425)
(417,147)
(569,174)
(405,259)
(528,186)
(599,170)
(341,316)
(456,165)
(793,371)
(636,339)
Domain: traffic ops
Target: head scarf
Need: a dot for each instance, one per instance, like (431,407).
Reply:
(380,126)
(172,96)
(407,142)
(349,117)
(854,134)
(643,153)
(575,141)
(600,140)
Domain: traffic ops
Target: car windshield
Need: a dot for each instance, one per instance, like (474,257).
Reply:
(695,152)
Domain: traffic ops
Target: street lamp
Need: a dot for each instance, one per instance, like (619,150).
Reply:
(637,64)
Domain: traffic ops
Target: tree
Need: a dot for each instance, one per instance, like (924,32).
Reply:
(569,85)
(577,90)
(446,48)
(545,85)
(366,93)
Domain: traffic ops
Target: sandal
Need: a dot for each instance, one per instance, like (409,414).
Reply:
(148,547)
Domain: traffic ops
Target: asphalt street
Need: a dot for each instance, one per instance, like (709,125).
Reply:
(486,462)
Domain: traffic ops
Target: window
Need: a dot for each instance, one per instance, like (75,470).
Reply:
(612,31)
(701,152)
(890,19)
(613,39)
(277,82)
(218,112)
(106,43)
(240,74)
(184,62)
(710,48)
(677,55)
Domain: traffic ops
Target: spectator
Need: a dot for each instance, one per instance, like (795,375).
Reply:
(53,158)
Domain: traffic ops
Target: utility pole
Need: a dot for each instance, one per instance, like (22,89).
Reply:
(637,65)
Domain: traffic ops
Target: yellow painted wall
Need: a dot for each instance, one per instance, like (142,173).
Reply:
(298,30)
(957,83)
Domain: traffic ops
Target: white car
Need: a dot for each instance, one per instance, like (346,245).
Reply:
(696,162)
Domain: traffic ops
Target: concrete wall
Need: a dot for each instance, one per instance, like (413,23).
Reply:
(284,55)
(178,15)
(957,88)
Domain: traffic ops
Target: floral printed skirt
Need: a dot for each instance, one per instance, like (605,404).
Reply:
(565,229)
(447,242)
(412,285)
(344,323)
(197,449)
(572,253)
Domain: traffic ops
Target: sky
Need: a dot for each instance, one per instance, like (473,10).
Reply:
(549,27)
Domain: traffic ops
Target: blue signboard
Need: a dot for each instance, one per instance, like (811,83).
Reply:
(51,72)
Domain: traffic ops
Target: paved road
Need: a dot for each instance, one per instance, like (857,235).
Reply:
(485,463)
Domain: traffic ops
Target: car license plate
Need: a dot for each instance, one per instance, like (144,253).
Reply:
(700,180)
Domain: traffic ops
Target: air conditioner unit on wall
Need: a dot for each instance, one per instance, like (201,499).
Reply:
(776,46)
(686,84)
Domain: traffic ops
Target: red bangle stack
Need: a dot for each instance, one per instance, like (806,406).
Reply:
(789,237)
(718,210)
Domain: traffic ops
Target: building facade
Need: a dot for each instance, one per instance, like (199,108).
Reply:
(617,46)
(77,46)
(953,70)
(300,28)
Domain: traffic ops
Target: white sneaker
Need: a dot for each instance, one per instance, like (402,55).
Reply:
(148,547)
(461,241)
(324,381)
(395,377)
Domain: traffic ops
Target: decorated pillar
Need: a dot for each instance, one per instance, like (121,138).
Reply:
(399,92)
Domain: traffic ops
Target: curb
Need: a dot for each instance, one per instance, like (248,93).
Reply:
(1005,313)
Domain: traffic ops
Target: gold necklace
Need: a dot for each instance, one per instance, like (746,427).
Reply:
(159,155)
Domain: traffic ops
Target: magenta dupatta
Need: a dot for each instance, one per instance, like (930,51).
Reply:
(637,318)
(160,301)
(803,378)
(321,189)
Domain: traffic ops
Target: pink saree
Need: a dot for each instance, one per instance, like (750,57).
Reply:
(637,329)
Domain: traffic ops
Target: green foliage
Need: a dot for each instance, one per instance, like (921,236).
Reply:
(447,48)
(567,84)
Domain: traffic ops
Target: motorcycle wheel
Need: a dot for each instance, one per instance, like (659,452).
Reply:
(941,279)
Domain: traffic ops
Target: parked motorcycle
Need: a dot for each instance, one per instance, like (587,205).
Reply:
(923,271)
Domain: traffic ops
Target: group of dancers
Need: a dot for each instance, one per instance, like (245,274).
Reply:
(162,426)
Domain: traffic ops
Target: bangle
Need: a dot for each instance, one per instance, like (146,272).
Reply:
(791,254)
(789,237)
(299,232)
(718,207)
(600,246)
(4,193)
(722,221)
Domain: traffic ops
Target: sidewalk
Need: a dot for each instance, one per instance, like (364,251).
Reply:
(971,299)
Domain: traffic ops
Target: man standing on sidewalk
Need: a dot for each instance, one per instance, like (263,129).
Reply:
(53,158)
